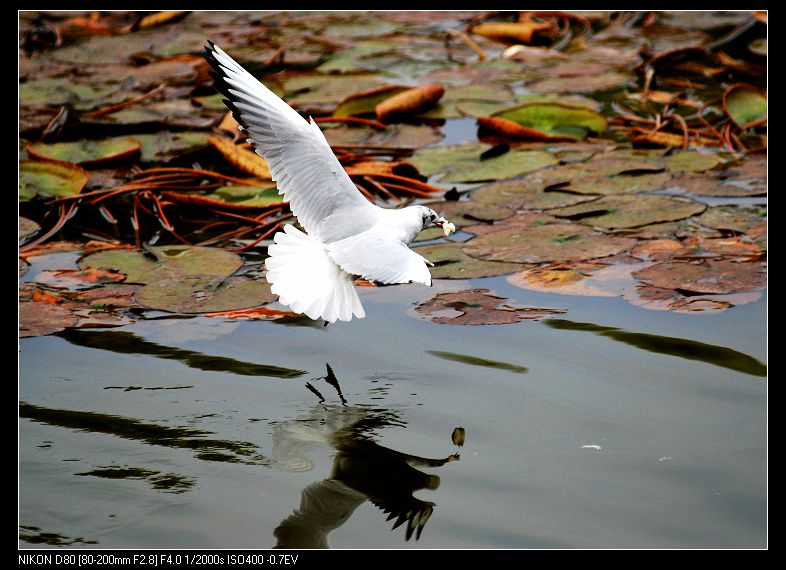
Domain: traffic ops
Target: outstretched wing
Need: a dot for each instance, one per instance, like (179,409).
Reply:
(378,255)
(300,159)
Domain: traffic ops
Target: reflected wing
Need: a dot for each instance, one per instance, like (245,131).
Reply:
(300,159)
(411,510)
(379,256)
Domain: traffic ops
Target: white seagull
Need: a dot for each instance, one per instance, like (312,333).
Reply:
(346,235)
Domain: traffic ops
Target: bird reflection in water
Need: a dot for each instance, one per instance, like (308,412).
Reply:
(362,471)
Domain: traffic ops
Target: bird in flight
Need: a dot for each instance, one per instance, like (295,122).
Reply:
(345,234)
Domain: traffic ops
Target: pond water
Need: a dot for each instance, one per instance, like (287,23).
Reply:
(607,426)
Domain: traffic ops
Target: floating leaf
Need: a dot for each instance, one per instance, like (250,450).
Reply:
(582,84)
(729,218)
(463,213)
(256,196)
(64,90)
(512,130)
(87,153)
(692,161)
(366,102)
(658,299)
(704,276)
(49,179)
(545,242)
(159,18)
(395,136)
(76,279)
(326,91)
(450,262)
(410,102)
(27,227)
(524,194)
(586,279)
(714,186)
(179,296)
(165,145)
(478,307)
(243,159)
(40,318)
(556,119)
(462,163)
(631,211)
(745,105)
(168,113)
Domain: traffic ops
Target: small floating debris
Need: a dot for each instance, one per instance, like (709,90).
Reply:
(593,446)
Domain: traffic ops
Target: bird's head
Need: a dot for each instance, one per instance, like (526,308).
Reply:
(431,218)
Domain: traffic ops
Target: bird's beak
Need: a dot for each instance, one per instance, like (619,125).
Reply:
(446,226)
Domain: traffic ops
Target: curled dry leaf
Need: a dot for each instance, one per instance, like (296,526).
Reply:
(513,130)
(366,102)
(513,32)
(410,102)
(241,158)
(478,307)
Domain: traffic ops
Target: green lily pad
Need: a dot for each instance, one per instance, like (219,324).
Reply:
(705,276)
(482,108)
(462,163)
(450,262)
(490,95)
(556,119)
(582,83)
(88,152)
(326,91)
(248,195)
(733,219)
(545,242)
(234,293)
(463,213)
(49,179)
(56,91)
(631,211)
(745,105)
(352,58)
(395,136)
(366,102)
(165,145)
(619,184)
(185,279)
(524,194)
(702,185)
(174,112)
(691,161)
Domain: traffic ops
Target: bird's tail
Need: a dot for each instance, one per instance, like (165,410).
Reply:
(305,278)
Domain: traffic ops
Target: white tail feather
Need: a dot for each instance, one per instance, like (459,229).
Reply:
(306,279)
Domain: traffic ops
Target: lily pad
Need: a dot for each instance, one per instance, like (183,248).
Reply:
(87,152)
(39,318)
(49,179)
(631,211)
(619,184)
(185,279)
(556,119)
(450,262)
(729,218)
(27,227)
(702,185)
(524,194)
(582,83)
(704,276)
(545,242)
(248,195)
(395,136)
(54,91)
(692,161)
(478,307)
(366,102)
(658,299)
(582,278)
(463,213)
(165,145)
(745,105)
(170,113)
(462,163)
(326,91)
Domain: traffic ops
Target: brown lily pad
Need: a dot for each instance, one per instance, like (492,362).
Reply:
(619,184)
(658,299)
(704,276)
(582,83)
(585,279)
(631,211)
(702,185)
(450,262)
(478,307)
(76,279)
(729,218)
(545,242)
(39,318)
(27,227)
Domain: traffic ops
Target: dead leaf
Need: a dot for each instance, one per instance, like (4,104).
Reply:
(40,318)
(241,158)
(478,307)
(704,276)
(410,102)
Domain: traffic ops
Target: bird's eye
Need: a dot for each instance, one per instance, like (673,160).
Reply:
(431,217)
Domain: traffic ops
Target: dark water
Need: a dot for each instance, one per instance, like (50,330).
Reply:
(611,426)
